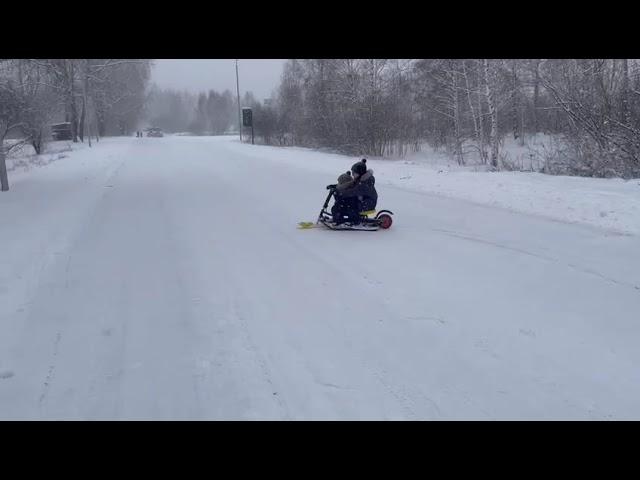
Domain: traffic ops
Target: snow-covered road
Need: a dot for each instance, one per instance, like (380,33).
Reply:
(166,279)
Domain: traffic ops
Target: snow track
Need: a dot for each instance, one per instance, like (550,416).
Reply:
(166,279)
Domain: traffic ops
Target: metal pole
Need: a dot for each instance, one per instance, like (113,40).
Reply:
(238,95)
(252,131)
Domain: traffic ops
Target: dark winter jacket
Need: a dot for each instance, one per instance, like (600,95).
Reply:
(362,187)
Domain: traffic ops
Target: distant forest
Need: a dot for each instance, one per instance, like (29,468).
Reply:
(392,107)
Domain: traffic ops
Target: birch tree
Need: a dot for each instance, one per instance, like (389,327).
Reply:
(494,139)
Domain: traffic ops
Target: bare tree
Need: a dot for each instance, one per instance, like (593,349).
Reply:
(493,113)
(10,108)
(591,108)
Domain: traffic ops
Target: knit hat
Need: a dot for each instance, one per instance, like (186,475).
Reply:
(360,168)
(344,178)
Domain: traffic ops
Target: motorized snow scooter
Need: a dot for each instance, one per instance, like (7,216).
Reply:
(382,219)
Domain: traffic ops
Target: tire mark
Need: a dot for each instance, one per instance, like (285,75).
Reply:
(404,401)
(51,371)
(66,272)
(572,266)
(266,373)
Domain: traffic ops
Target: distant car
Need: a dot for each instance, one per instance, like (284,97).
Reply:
(154,132)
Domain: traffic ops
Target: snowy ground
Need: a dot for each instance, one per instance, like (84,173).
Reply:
(23,157)
(613,204)
(165,279)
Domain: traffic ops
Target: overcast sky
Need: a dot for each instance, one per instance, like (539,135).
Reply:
(196,75)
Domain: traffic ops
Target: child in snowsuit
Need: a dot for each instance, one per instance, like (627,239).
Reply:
(355,193)
(344,208)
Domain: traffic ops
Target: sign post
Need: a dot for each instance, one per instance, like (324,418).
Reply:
(247,120)
(238,97)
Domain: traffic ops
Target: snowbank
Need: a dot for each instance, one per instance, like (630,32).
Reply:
(24,158)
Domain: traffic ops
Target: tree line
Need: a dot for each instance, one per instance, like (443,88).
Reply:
(384,107)
(211,112)
(97,97)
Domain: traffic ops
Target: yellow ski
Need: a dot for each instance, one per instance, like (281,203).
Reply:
(306,225)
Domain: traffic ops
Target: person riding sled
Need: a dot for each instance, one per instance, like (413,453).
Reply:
(355,193)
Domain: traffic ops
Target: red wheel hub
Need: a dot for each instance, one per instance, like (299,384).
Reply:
(385,221)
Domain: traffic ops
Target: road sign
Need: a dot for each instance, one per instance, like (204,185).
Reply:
(247,117)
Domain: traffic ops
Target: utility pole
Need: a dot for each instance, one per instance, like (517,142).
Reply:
(238,95)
